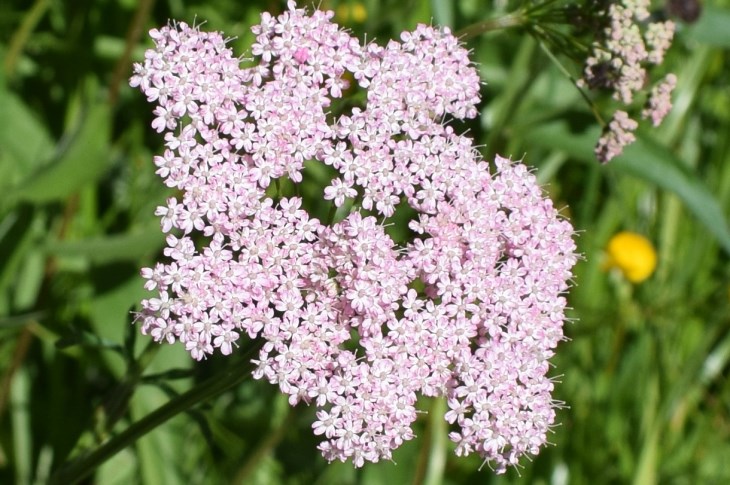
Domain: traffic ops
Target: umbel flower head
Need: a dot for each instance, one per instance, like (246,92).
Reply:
(471,308)
(626,45)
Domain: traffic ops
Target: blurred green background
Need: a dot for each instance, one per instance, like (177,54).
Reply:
(644,375)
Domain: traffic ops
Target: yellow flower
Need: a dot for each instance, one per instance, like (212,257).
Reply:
(633,254)
(350,11)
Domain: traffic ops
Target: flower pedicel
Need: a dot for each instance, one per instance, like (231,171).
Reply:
(470,309)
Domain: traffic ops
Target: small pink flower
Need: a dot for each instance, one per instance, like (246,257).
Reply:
(617,135)
(660,102)
(339,191)
(301,55)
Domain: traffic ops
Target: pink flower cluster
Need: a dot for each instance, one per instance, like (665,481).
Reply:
(470,309)
(618,63)
(619,133)
(660,101)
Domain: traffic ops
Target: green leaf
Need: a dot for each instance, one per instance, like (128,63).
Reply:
(28,281)
(124,247)
(20,422)
(648,161)
(713,26)
(25,144)
(120,469)
(87,339)
(158,446)
(17,240)
(82,161)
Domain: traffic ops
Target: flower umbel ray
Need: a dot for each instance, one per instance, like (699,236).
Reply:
(490,252)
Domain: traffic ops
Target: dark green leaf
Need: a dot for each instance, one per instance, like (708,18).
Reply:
(87,339)
(713,26)
(172,374)
(109,249)
(82,162)
(25,144)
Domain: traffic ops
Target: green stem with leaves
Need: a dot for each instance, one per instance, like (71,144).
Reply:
(490,25)
(78,469)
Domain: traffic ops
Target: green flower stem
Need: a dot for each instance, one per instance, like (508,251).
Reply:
(75,471)
(512,20)
(520,76)
(431,465)
(21,36)
(541,13)
(272,439)
(566,73)
(436,470)
(331,213)
(134,33)
(119,400)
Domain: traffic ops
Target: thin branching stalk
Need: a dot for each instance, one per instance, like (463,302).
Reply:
(76,470)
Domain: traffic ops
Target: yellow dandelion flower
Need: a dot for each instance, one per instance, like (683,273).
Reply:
(632,254)
(352,12)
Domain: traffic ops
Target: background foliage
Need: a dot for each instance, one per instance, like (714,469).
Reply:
(644,375)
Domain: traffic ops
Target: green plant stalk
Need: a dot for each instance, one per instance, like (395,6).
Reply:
(265,447)
(331,213)
(20,37)
(686,94)
(646,470)
(538,14)
(566,73)
(120,399)
(136,28)
(436,468)
(509,21)
(511,96)
(75,471)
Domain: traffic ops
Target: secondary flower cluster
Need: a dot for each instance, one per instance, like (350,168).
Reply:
(627,44)
(470,309)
